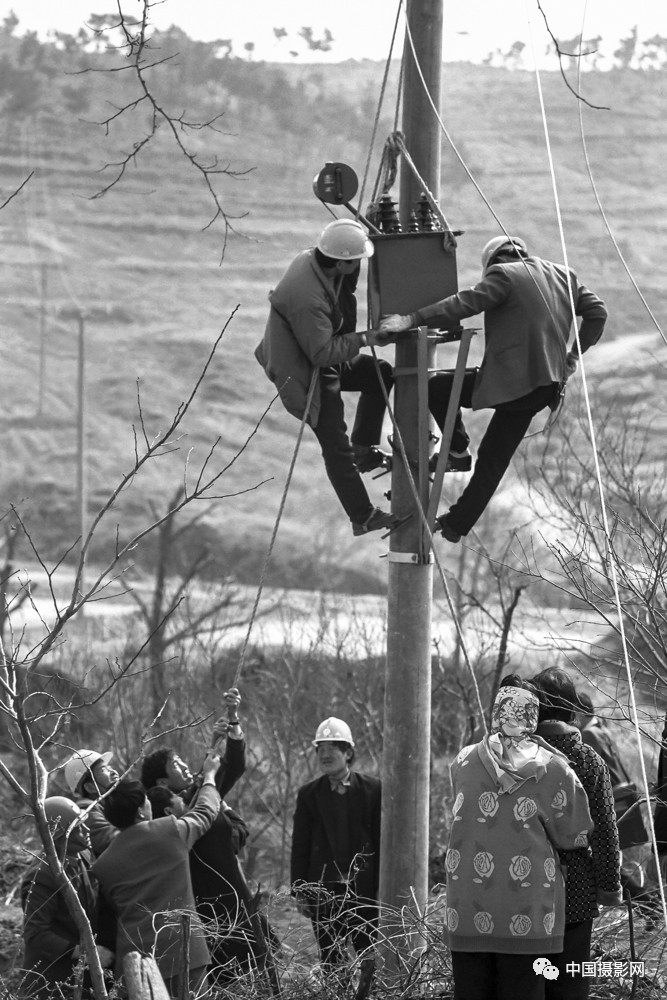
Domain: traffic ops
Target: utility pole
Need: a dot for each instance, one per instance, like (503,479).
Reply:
(42,339)
(81,466)
(407,710)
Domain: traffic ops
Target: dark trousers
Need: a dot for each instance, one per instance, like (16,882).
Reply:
(359,375)
(341,921)
(576,948)
(485,975)
(197,983)
(502,437)
(235,949)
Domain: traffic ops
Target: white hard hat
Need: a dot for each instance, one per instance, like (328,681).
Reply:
(498,243)
(345,239)
(333,731)
(80,763)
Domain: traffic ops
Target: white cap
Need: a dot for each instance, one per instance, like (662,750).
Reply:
(498,243)
(333,730)
(80,763)
(345,239)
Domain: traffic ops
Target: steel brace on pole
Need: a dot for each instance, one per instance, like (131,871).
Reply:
(467,334)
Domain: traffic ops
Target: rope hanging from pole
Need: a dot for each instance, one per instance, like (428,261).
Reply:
(281,508)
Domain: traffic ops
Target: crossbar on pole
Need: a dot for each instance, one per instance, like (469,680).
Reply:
(450,419)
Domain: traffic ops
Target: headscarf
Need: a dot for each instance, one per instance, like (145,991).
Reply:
(512,753)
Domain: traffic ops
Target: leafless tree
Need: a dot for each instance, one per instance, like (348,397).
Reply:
(138,56)
(35,723)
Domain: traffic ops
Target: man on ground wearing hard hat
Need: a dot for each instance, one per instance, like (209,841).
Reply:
(89,776)
(311,329)
(50,935)
(335,863)
(529,305)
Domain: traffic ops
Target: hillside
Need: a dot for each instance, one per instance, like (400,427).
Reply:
(147,273)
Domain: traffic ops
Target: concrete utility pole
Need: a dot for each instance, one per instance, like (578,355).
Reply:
(406,753)
(41,387)
(81,461)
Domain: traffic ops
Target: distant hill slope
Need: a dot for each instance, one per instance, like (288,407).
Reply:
(147,274)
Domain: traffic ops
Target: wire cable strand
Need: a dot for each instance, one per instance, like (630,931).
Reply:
(598,475)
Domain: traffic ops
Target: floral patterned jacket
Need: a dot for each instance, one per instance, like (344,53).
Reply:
(505,889)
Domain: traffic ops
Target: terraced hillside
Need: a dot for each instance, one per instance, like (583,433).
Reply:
(147,274)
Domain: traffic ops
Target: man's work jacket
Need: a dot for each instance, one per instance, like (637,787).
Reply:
(528,316)
(313,849)
(304,331)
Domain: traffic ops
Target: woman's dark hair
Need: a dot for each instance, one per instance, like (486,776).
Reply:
(154,766)
(515,681)
(122,804)
(557,694)
(160,799)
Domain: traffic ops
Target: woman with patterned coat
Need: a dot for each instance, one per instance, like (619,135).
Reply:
(517,803)
(593,875)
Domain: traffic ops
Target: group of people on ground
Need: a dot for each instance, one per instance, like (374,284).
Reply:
(139,853)
(534,848)
(533,854)
(311,351)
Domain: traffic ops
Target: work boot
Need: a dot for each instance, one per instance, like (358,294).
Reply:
(457,461)
(376,520)
(444,527)
(369,457)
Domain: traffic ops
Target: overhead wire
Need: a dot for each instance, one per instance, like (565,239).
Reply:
(600,206)
(634,712)
(411,482)
(378,112)
(589,412)
(598,474)
(397,434)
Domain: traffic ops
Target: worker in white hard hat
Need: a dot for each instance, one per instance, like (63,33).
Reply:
(50,935)
(310,334)
(335,861)
(89,775)
(530,306)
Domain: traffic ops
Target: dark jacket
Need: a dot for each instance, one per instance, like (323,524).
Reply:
(216,879)
(307,329)
(629,819)
(312,848)
(49,932)
(100,829)
(660,817)
(593,874)
(145,874)
(527,323)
